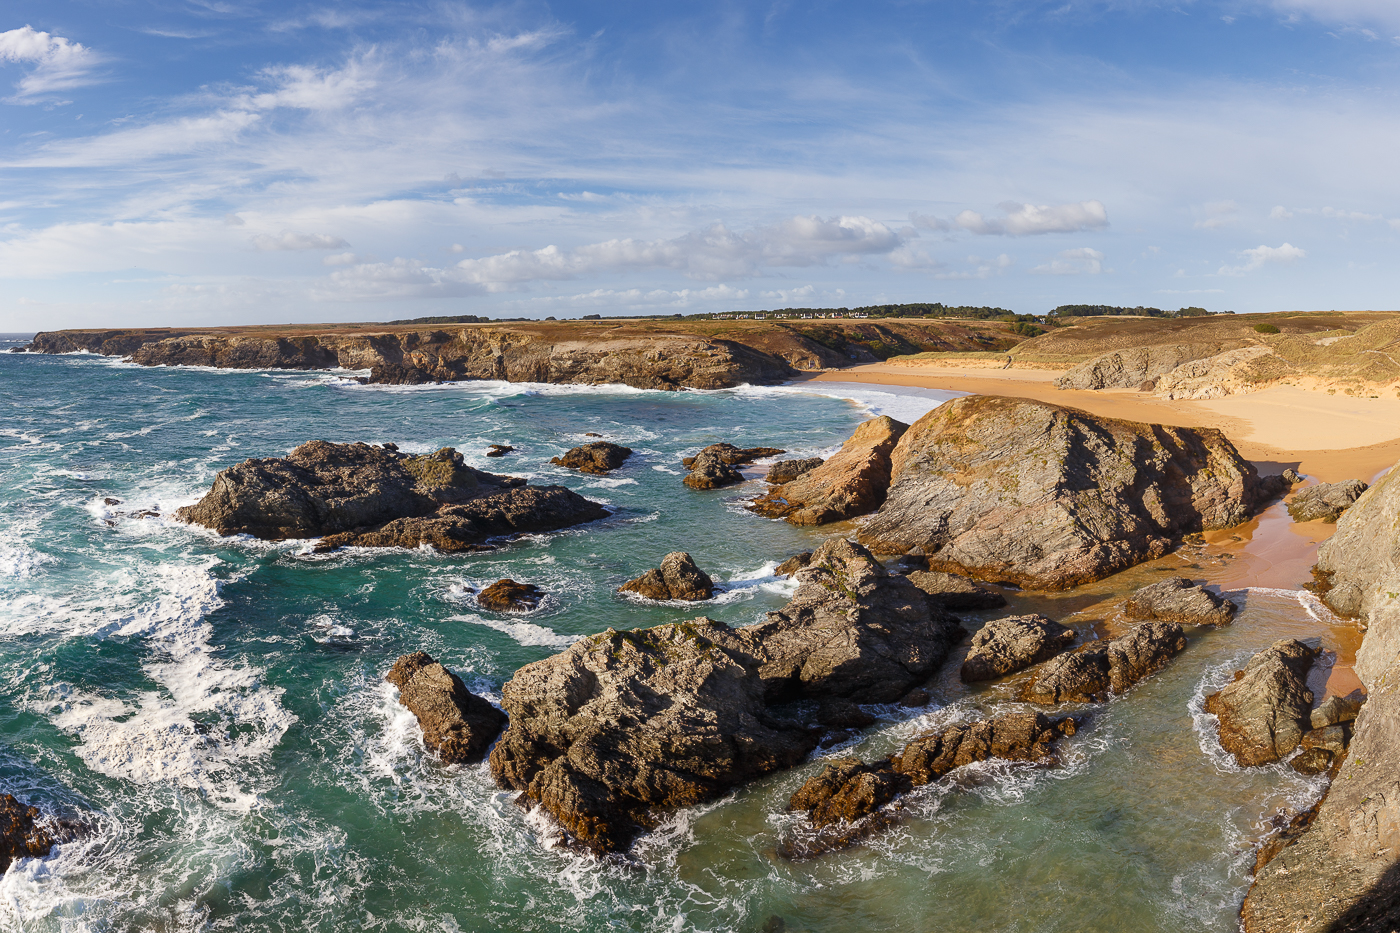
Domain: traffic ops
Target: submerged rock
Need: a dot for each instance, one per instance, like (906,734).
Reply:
(1179,600)
(1325,502)
(852,482)
(1023,492)
(713,467)
(676,578)
(1005,646)
(457,724)
(509,596)
(953,592)
(598,457)
(1107,666)
(356,494)
(785,471)
(1265,711)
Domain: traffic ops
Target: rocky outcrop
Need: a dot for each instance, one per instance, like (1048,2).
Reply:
(598,457)
(1265,712)
(457,724)
(357,494)
(677,578)
(1325,502)
(713,467)
(1005,646)
(1131,368)
(499,450)
(852,482)
(1179,600)
(785,471)
(793,564)
(851,630)
(621,724)
(1045,497)
(953,592)
(1107,666)
(1230,373)
(236,352)
(23,832)
(509,596)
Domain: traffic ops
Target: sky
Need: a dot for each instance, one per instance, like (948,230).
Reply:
(196,162)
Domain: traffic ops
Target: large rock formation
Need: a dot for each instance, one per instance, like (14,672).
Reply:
(1325,502)
(1046,497)
(357,494)
(1265,711)
(1107,666)
(713,466)
(852,629)
(624,723)
(1230,373)
(1339,868)
(1005,646)
(852,482)
(676,578)
(457,724)
(1131,368)
(598,457)
(1179,600)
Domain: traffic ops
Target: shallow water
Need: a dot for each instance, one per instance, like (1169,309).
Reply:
(217,705)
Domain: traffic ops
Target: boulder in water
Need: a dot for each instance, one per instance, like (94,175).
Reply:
(598,457)
(1005,646)
(1107,666)
(793,564)
(1265,711)
(713,467)
(1179,600)
(676,578)
(457,724)
(1325,502)
(785,471)
(509,596)
(499,450)
(852,482)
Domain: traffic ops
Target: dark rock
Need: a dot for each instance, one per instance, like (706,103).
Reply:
(1179,600)
(111,501)
(785,471)
(591,434)
(1333,739)
(1024,492)
(953,592)
(713,467)
(599,457)
(1017,736)
(676,578)
(848,789)
(1265,711)
(624,723)
(793,564)
(1107,666)
(23,834)
(1325,502)
(509,596)
(356,494)
(1005,646)
(836,713)
(852,630)
(457,724)
(915,699)
(499,450)
(1311,761)
(853,482)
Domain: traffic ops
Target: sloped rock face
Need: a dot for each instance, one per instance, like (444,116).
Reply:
(1325,502)
(1046,497)
(785,471)
(1005,646)
(793,564)
(625,722)
(237,353)
(1230,373)
(676,578)
(457,724)
(599,457)
(713,467)
(1179,600)
(1129,369)
(852,630)
(22,835)
(1265,712)
(953,592)
(357,494)
(852,482)
(509,596)
(1108,666)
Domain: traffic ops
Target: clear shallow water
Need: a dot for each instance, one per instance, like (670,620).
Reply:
(217,705)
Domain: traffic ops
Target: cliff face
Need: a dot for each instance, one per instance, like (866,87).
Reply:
(1343,873)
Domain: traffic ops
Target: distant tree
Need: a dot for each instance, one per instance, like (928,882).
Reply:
(1266,328)
(1192,312)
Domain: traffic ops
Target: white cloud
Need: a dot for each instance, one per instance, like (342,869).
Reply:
(1029,219)
(1280,213)
(402,278)
(303,88)
(1350,12)
(1082,261)
(1218,214)
(59,64)
(1260,256)
(290,240)
(635,299)
(980,268)
(1348,215)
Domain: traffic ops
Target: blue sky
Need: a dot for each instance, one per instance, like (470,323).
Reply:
(182,162)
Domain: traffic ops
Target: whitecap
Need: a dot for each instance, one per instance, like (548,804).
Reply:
(608,482)
(524,633)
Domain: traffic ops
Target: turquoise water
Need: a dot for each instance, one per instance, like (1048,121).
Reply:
(216,706)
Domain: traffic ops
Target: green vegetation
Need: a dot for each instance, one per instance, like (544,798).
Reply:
(1114,310)
(455,319)
(1266,329)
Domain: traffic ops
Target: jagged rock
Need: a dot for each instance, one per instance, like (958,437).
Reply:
(624,723)
(1130,368)
(499,450)
(852,482)
(598,457)
(848,789)
(713,467)
(1005,646)
(793,564)
(953,592)
(1179,600)
(1325,502)
(1107,666)
(1293,476)
(676,578)
(22,833)
(356,494)
(457,724)
(1230,373)
(509,596)
(852,630)
(785,471)
(1312,761)
(1335,709)
(1265,712)
(1015,736)
(1023,492)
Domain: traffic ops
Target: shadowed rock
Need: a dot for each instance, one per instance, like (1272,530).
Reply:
(457,724)
(793,564)
(954,592)
(1179,600)
(23,834)
(676,578)
(1325,502)
(1108,666)
(852,482)
(785,471)
(1005,646)
(599,457)
(1265,712)
(499,450)
(713,467)
(509,596)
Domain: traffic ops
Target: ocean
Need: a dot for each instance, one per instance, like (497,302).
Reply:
(213,709)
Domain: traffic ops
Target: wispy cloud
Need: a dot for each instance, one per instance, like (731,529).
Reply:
(58,64)
(1030,219)
(1082,261)
(290,240)
(1260,256)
